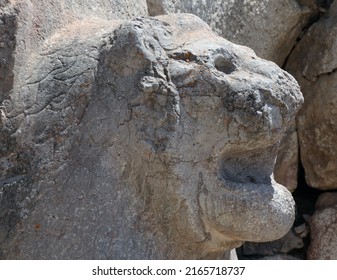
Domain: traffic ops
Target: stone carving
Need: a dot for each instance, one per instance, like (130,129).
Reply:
(281,246)
(271,28)
(144,139)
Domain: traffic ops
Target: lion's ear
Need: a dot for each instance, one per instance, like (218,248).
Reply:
(135,68)
(137,45)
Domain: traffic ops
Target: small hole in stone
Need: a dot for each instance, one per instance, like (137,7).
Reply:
(223,64)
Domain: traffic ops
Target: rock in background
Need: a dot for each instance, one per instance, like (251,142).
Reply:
(323,228)
(286,165)
(313,63)
(270,27)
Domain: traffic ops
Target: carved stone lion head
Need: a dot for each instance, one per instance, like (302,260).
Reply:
(151,138)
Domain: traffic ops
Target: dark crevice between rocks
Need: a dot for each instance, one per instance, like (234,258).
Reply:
(305,198)
(324,3)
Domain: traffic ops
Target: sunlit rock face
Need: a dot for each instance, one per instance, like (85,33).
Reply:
(313,63)
(144,139)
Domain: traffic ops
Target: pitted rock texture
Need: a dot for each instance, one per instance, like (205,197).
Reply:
(143,139)
(313,63)
(323,228)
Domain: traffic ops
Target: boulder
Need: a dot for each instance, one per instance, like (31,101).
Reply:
(313,63)
(286,166)
(269,27)
(150,138)
(323,228)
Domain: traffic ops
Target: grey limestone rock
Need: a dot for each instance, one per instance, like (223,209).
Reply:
(323,228)
(286,166)
(269,27)
(313,63)
(150,138)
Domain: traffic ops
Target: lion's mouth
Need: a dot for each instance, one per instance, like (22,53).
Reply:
(248,211)
(248,205)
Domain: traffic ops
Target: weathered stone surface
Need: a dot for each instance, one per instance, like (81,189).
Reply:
(151,138)
(323,228)
(7,46)
(326,200)
(286,166)
(35,20)
(283,245)
(24,26)
(269,27)
(302,230)
(313,63)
